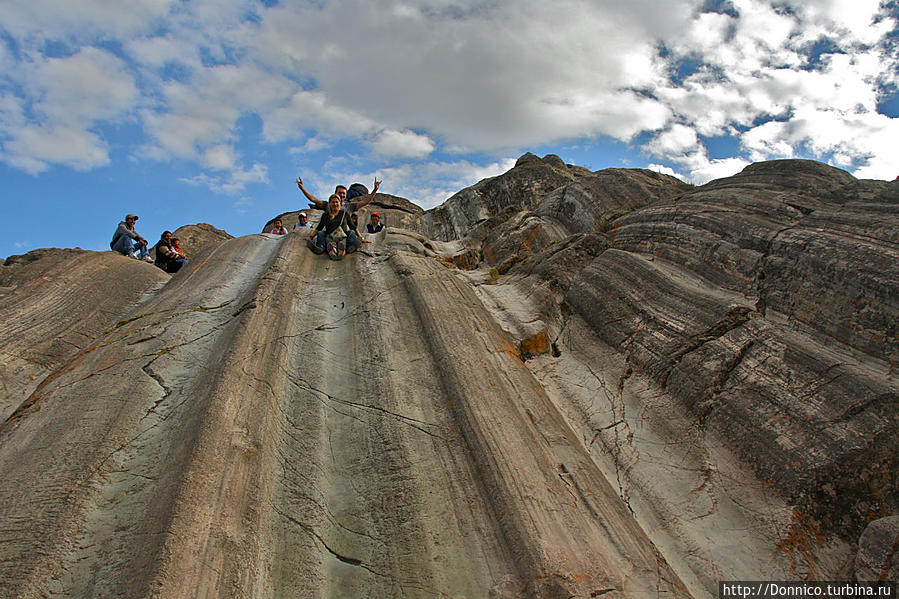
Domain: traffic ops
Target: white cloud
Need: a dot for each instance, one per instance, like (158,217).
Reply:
(89,86)
(221,157)
(230,182)
(313,144)
(426,184)
(68,97)
(205,111)
(681,145)
(705,170)
(85,19)
(308,109)
(421,77)
(34,148)
(478,77)
(676,141)
(156,52)
(863,142)
(402,144)
(666,170)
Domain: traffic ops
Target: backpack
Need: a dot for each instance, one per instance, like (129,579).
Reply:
(356,190)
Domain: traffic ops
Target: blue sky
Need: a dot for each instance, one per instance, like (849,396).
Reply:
(206,111)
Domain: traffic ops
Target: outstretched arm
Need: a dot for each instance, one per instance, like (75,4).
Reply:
(366,200)
(314,200)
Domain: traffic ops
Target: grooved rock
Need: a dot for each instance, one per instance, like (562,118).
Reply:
(767,303)
(878,551)
(256,427)
(633,387)
(521,188)
(54,305)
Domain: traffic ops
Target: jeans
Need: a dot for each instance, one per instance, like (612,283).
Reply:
(175,265)
(125,245)
(321,238)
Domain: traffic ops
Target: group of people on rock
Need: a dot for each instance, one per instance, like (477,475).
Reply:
(337,232)
(128,242)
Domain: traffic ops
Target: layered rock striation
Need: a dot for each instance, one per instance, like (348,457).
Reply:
(559,383)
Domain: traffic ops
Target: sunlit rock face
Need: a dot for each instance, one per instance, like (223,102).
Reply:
(558,383)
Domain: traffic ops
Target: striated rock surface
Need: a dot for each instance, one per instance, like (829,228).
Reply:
(558,384)
(54,305)
(878,551)
(521,188)
(277,424)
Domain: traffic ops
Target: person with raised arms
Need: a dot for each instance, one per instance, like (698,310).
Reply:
(341,192)
(333,231)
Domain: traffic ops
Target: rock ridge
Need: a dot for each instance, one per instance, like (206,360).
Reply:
(559,383)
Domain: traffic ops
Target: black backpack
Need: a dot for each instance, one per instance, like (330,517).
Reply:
(356,190)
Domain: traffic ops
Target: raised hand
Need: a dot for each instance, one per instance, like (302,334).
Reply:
(377,185)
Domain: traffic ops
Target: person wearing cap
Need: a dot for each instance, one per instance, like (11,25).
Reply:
(302,221)
(374,223)
(127,241)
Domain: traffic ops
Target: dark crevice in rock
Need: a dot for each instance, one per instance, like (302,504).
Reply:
(737,317)
(394,207)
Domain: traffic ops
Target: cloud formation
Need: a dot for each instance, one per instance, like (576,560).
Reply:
(465,85)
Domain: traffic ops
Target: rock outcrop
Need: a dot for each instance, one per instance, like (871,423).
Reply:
(559,383)
(196,238)
(54,306)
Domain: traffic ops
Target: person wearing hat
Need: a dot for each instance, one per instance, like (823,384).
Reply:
(127,241)
(374,223)
(302,221)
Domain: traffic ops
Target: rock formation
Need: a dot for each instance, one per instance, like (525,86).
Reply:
(559,383)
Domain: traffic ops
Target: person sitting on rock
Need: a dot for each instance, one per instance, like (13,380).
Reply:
(162,249)
(333,231)
(341,192)
(278,229)
(302,221)
(171,257)
(374,223)
(127,241)
(177,256)
(354,238)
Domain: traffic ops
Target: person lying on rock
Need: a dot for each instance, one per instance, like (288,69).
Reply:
(341,192)
(127,241)
(334,231)
(374,223)
(278,229)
